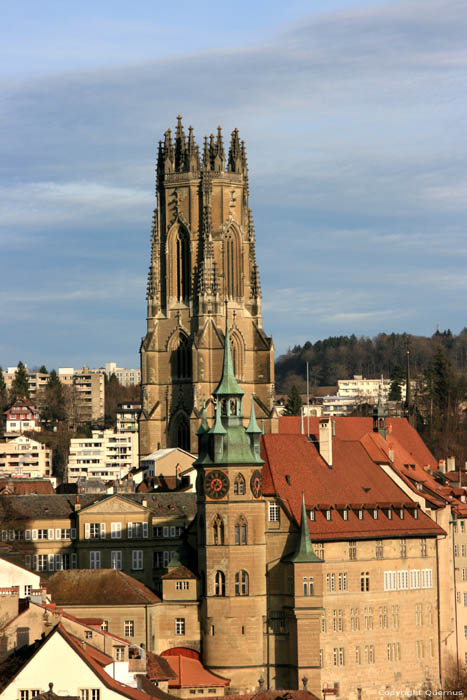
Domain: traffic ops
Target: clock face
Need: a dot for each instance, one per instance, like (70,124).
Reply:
(256,483)
(216,484)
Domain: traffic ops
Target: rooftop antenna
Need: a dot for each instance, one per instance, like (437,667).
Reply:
(308,398)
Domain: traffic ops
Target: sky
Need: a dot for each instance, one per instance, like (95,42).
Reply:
(354,115)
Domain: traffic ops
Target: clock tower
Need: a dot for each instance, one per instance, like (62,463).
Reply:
(231,531)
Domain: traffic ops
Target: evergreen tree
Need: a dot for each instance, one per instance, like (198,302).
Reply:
(397,379)
(20,385)
(43,369)
(294,403)
(54,408)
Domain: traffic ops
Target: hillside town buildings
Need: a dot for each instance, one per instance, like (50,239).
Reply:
(106,455)
(326,554)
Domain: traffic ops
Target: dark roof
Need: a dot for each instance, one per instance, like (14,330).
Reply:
(25,507)
(178,572)
(21,487)
(98,587)
(158,668)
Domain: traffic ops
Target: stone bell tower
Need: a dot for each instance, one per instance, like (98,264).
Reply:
(203,262)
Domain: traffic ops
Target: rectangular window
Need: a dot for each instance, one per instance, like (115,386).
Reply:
(427,578)
(42,562)
(342,581)
(42,534)
(115,531)
(129,628)
(419,614)
(330,583)
(116,560)
(390,580)
(180,625)
(137,559)
(308,585)
(368,618)
(352,550)
(274,513)
(357,655)
(354,619)
(119,653)
(94,531)
(94,560)
(403,580)
(415,578)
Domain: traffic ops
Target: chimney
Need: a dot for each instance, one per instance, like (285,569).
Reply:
(451,464)
(144,502)
(77,503)
(325,440)
(442,465)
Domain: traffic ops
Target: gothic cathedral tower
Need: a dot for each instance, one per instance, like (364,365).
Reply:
(203,255)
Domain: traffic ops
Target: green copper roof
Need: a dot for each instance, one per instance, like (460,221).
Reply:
(218,428)
(204,427)
(228,385)
(304,552)
(253,426)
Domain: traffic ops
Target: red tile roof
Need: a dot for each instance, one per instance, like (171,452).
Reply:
(190,673)
(158,668)
(293,464)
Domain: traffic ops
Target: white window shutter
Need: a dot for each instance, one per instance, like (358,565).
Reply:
(34,534)
(27,534)
(51,562)
(73,533)
(34,562)
(102,531)
(58,534)
(50,534)
(87,531)
(130,530)
(27,561)
(145,529)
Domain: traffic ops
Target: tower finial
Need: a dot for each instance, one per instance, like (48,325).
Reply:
(304,552)
(228,385)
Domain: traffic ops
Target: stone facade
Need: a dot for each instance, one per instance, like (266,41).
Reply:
(203,258)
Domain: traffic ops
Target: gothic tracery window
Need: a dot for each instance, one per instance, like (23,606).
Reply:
(241,531)
(181,433)
(239,485)
(231,264)
(219,584)
(241,583)
(180,359)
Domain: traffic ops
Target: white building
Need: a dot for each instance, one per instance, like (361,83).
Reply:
(126,377)
(363,390)
(105,455)
(25,457)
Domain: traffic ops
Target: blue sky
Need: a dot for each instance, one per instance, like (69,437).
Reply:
(354,116)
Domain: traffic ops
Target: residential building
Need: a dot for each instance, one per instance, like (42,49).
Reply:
(126,377)
(24,457)
(22,417)
(88,393)
(203,207)
(168,465)
(105,455)
(128,417)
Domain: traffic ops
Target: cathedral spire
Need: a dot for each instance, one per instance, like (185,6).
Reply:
(235,154)
(169,154)
(192,152)
(180,146)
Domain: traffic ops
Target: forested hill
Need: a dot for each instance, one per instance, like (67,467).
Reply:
(343,356)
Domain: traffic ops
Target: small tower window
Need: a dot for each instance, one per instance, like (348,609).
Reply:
(239,485)
(219,584)
(240,531)
(241,583)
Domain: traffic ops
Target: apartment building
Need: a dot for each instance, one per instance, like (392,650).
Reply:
(126,377)
(24,457)
(128,417)
(105,455)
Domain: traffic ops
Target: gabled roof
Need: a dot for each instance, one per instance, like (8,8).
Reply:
(293,464)
(98,587)
(190,673)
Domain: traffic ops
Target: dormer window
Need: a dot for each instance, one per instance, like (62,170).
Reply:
(360,514)
(328,515)
(389,514)
(312,514)
(401,514)
(375,514)
(415,514)
(345,514)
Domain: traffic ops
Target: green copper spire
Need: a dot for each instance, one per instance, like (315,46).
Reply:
(228,385)
(304,552)
(204,427)
(218,428)
(253,426)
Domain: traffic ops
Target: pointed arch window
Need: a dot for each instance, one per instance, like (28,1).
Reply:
(183,266)
(218,530)
(219,584)
(241,531)
(239,485)
(231,264)
(180,358)
(237,352)
(241,583)
(181,433)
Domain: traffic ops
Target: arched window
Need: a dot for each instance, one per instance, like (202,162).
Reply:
(240,531)
(239,485)
(237,351)
(219,583)
(183,266)
(241,583)
(181,433)
(218,530)
(231,265)
(180,358)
